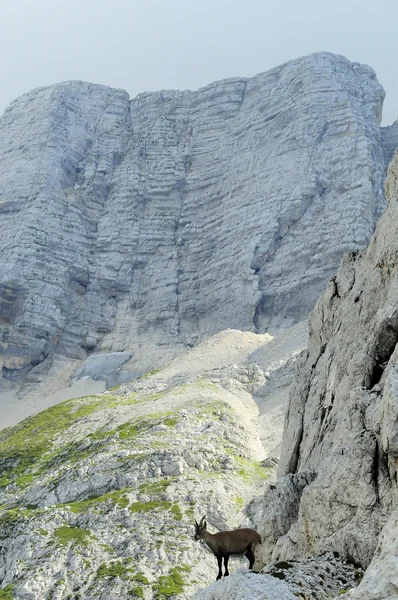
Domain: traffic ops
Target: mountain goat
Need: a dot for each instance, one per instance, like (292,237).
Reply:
(226,543)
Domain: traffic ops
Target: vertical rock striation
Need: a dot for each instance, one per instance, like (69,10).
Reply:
(147,225)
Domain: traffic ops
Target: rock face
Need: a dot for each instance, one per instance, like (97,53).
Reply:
(342,421)
(103,367)
(381,578)
(146,225)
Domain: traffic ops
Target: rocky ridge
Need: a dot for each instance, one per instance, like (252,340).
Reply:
(146,225)
(98,494)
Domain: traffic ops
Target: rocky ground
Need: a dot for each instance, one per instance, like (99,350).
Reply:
(98,494)
(327,576)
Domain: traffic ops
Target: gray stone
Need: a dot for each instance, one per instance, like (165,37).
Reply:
(381,578)
(101,366)
(389,422)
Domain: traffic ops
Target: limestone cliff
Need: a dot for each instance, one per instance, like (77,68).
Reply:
(145,225)
(340,447)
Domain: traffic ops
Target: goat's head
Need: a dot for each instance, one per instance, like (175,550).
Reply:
(200,528)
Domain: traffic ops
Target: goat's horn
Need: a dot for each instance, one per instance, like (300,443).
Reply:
(202,519)
(196,523)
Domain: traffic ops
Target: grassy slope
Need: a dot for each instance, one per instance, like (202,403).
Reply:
(47,449)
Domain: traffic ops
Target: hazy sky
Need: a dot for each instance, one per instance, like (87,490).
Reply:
(142,45)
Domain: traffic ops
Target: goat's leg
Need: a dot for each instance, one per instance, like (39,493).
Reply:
(250,556)
(219,560)
(226,572)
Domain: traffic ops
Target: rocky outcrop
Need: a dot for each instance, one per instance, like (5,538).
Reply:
(105,367)
(317,578)
(146,225)
(343,414)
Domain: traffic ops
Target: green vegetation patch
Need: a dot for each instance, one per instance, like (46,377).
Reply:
(26,444)
(151,505)
(190,510)
(172,584)
(73,452)
(176,511)
(132,429)
(24,480)
(118,497)
(6,593)
(248,468)
(140,578)
(239,502)
(128,430)
(155,488)
(117,568)
(65,535)
(12,516)
(216,410)
(4,480)
(149,374)
(108,548)
(136,592)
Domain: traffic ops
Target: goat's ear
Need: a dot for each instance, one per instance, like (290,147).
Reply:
(196,523)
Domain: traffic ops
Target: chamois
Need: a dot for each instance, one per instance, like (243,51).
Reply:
(225,543)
